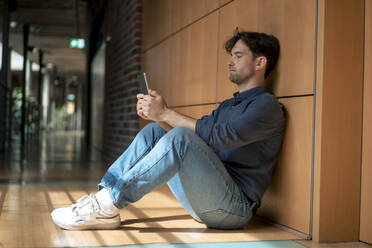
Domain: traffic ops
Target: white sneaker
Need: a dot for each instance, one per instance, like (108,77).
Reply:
(85,214)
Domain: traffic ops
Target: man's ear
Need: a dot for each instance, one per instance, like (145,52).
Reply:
(261,62)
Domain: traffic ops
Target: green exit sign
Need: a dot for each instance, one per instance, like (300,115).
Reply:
(77,43)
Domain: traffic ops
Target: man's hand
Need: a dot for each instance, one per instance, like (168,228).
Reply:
(140,102)
(152,106)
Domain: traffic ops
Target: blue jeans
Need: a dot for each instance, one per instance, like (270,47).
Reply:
(194,173)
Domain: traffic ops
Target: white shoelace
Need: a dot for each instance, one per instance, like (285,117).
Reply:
(86,207)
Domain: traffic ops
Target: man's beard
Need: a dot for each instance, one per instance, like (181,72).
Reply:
(235,78)
(238,79)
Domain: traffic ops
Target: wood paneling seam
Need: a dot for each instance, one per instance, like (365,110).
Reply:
(184,27)
(314,122)
(194,105)
(225,3)
(362,131)
(305,95)
(217,102)
(218,47)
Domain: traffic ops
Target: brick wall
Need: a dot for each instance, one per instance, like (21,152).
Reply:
(123,63)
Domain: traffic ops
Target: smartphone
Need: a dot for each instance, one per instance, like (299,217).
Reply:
(143,86)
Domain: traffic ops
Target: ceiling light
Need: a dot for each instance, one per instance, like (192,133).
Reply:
(71,97)
(13,24)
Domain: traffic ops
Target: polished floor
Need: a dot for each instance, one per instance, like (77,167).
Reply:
(60,156)
(58,169)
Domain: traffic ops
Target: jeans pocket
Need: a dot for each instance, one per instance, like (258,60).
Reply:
(221,219)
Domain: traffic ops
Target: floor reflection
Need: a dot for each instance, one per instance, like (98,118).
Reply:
(58,156)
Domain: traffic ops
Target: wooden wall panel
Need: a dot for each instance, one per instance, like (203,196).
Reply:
(337,158)
(197,111)
(183,68)
(156,63)
(185,12)
(222,2)
(293,23)
(366,199)
(157,21)
(287,201)
(194,63)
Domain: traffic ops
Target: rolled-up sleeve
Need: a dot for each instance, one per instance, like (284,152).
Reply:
(204,125)
(263,118)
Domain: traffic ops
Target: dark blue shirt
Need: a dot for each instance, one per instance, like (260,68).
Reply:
(246,133)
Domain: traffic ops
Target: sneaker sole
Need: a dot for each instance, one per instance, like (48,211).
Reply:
(102,226)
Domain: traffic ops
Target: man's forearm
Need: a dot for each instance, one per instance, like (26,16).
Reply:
(174,119)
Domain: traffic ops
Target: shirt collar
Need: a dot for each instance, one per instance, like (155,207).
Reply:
(248,94)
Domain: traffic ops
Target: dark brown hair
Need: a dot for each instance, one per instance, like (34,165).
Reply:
(260,44)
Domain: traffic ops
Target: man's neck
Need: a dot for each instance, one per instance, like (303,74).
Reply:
(250,85)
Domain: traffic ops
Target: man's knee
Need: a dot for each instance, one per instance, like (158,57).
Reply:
(182,131)
(152,129)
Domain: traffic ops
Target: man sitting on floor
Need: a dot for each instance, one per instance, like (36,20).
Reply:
(218,167)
